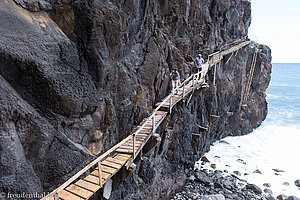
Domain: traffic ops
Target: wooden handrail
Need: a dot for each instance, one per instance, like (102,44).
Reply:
(133,135)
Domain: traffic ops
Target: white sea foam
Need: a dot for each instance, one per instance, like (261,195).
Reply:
(267,148)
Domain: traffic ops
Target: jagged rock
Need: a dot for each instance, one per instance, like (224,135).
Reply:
(228,184)
(204,159)
(241,161)
(268,191)
(270,197)
(286,184)
(267,185)
(192,178)
(257,171)
(213,166)
(292,198)
(237,173)
(297,182)
(254,188)
(86,65)
(214,197)
(203,178)
(281,197)
(223,141)
(218,185)
(278,170)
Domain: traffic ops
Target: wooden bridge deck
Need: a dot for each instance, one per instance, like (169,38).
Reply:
(125,151)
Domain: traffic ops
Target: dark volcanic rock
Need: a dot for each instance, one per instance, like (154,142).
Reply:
(292,198)
(76,79)
(281,197)
(268,191)
(297,182)
(254,188)
(203,178)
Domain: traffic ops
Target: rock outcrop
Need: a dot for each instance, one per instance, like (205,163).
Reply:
(77,76)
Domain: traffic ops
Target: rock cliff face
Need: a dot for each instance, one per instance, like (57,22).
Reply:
(77,76)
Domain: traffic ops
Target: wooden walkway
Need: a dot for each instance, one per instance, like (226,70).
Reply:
(124,153)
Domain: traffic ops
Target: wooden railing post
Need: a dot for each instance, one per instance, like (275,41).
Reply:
(153,124)
(193,81)
(171,104)
(183,90)
(134,146)
(100,173)
(215,71)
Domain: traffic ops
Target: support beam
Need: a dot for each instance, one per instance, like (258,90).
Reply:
(229,114)
(203,128)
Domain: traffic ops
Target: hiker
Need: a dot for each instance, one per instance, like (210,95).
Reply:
(198,62)
(175,80)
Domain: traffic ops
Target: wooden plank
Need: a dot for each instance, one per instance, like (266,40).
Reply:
(125,150)
(130,145)
(120,157)
(87,185)
(91,164)
(108,169)
(85,194)
(124,155)
(105,175)
(111,164)
(115,160)
(92,179)
(65,195)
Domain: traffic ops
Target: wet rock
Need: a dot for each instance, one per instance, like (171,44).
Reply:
(228,184)
(281,197)
(270,197)
(268,191)
(278,170)
(254,188)
(223,142)
(218,185)
(241,161)
(286,184)
(297,182)
(292,198)
(267,185)
(214,197)
(257,171)
(192,178)
(237,173)
(204,159)
(203,178)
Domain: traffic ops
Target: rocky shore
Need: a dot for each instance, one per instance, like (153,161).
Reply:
(211,184)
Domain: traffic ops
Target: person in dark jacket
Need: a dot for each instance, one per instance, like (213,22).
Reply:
(175,80)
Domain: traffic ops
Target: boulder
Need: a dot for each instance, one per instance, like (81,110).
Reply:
(237,173)
(204,159)
(292,198)
(297,182)
(267,185)
(203,178)
(278,170)
(286,184)
(254,188)
(281,197)
(257,171)
(213,166)
(268,191)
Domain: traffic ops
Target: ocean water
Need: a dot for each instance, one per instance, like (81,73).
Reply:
(274,145)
